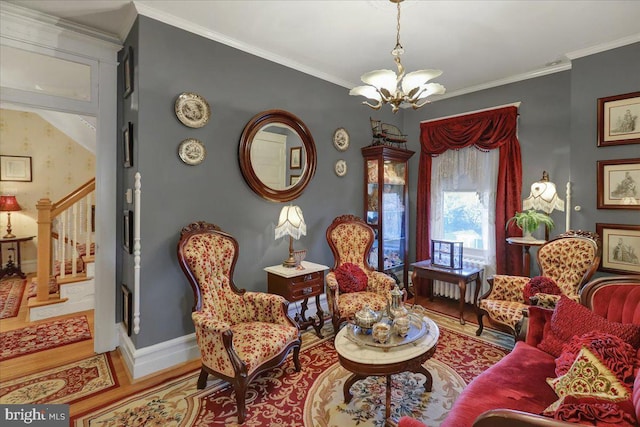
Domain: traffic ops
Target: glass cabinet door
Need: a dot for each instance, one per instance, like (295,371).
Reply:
(386,208)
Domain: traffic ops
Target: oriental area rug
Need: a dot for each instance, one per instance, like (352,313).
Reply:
(313,397)
(64,384)
(43,336)
(11,292)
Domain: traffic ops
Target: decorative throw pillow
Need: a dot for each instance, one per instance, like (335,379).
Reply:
(570,318)
(543,284)
(618,356)
(351,278)
(587,377)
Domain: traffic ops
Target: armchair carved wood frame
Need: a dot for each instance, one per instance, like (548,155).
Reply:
(570,260)
(350,240)
(240,334)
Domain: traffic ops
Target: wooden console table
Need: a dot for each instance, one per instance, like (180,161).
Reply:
(460,277)
(300,284)
(13,267)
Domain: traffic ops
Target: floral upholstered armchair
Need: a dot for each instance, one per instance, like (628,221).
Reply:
(566,264)
(240,334)
(350,240)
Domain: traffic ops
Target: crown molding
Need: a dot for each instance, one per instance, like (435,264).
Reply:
(12,13)
(635,38)
(174,21)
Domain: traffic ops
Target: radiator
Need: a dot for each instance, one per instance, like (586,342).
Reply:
(451,290)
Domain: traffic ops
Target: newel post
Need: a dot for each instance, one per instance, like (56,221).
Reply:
(44,207)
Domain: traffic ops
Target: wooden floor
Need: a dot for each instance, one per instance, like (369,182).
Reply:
(37,362)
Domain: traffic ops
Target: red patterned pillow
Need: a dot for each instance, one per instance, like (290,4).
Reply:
(351,278)
(542,284)
(597,412)
(612,351)
(570,318)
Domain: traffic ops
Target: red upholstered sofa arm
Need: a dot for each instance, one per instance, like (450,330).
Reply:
(537,318)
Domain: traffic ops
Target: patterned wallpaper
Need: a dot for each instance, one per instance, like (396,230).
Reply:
(58,166)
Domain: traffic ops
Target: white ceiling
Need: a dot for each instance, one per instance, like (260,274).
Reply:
(477,44)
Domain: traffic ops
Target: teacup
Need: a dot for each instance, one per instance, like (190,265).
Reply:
(380,332)
(401,326)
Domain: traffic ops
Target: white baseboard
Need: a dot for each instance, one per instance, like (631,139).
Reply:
(148,360)
(30,266)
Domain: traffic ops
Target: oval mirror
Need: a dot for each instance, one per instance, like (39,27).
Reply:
(277,155)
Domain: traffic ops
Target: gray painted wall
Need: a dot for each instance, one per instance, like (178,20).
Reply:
(237,85)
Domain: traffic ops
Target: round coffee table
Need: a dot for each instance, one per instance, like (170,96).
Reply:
(364,360)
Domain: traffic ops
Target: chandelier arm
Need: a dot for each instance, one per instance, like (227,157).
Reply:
(375,107)
(415,105)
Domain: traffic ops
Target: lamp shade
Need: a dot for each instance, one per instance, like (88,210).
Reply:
(544,196)
(9,204)
(291,223)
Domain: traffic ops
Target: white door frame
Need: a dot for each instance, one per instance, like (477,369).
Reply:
(36,32)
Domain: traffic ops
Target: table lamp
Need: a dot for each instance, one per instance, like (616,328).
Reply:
(291,223)
(9,204)
(543,197)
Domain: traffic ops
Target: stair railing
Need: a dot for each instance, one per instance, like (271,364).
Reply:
(61,227)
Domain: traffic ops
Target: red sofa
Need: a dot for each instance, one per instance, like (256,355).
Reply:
(514,391)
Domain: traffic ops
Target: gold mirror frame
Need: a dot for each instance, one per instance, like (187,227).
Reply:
(260,121)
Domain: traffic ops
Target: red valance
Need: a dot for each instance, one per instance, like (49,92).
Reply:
(487,130)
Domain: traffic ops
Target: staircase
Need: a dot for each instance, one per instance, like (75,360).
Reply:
(65,276)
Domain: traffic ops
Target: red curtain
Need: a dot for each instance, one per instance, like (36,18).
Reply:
(487,130)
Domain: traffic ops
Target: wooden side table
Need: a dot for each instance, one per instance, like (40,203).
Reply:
(13,267)
(526,255)
(296,284)
(460,276)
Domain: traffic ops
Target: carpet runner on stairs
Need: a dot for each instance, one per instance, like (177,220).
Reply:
(11,292)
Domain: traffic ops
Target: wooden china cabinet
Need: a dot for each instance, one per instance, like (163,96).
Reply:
(386,207)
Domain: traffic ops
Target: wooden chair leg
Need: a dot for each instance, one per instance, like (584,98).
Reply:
(296,358)
(480,324)
(241,395)
(202,379)
(335,320)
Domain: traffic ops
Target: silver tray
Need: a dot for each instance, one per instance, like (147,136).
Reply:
(417,329)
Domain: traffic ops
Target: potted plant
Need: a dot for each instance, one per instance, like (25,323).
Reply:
(529,221)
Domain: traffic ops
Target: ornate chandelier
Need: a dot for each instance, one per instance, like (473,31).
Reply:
(387,87)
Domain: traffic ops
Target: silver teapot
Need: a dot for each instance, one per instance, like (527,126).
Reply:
(366,317)
(396,305)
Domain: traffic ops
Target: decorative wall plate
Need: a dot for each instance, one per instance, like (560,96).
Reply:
(192,110)
(341,139)
(341,168)
(192,151)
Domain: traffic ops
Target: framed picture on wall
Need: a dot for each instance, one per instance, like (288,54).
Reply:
(127,231)
(295,155)
(619,184)
(620,248)
(293,179)
(127,72)
(127,145)
(619,119)
(15,168)
(126,308)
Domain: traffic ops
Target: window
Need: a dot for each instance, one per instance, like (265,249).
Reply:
(463,186)
(464,217)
